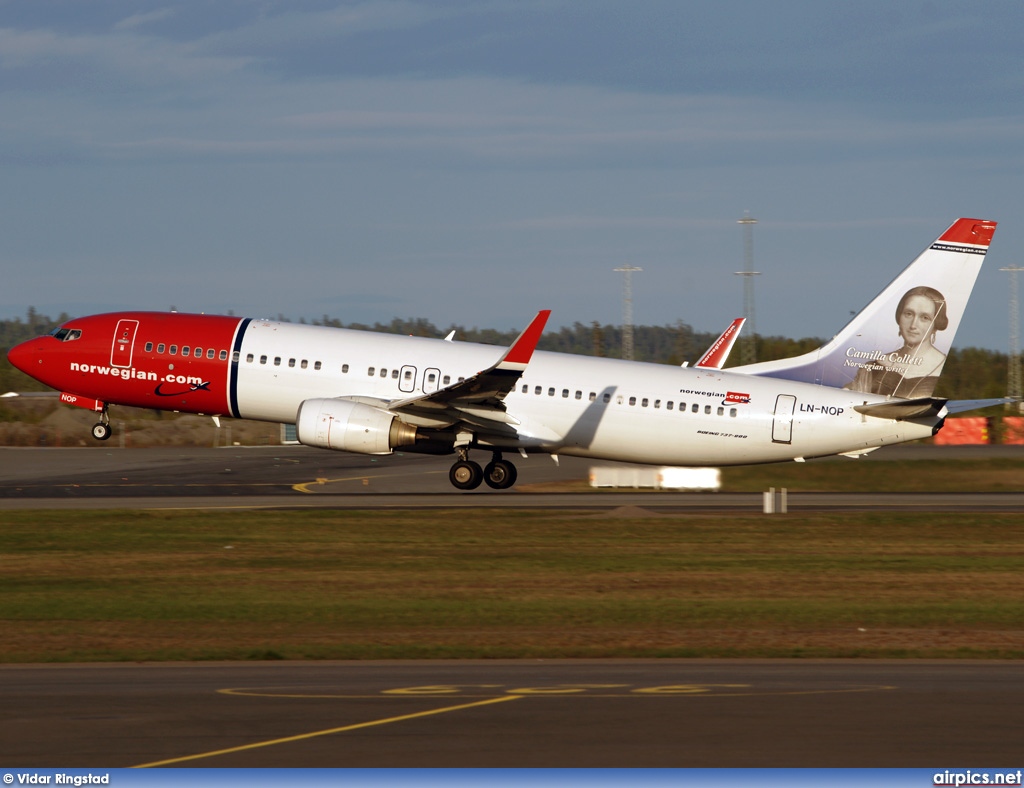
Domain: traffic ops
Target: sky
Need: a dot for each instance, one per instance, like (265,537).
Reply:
(474,161)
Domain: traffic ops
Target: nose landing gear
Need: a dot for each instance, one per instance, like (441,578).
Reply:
(467,475)
(101,430)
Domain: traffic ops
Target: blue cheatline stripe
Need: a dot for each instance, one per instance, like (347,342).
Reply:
(236,357)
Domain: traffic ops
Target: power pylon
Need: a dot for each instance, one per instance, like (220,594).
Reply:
(1013,377)
(748,349)
(627,309)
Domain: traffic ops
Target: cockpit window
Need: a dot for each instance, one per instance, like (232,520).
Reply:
(66,334)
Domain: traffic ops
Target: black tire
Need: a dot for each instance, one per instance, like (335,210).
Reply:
(466,475)
(500,474)
(101,431)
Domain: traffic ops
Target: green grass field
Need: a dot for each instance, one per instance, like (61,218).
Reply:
(485,583)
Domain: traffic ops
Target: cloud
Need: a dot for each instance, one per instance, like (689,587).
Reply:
(141,20)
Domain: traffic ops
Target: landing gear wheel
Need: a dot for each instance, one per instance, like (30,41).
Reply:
(101,431)
(466,475)
(500,474)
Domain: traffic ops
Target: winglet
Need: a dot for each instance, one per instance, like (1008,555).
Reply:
(719,351)
(521,351)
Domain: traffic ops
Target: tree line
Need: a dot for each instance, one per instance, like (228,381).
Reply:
(970,373)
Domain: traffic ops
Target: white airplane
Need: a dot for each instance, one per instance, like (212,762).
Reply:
(371,393)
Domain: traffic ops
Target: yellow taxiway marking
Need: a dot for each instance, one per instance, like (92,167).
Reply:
(568,690)
(328,732)
(303,487)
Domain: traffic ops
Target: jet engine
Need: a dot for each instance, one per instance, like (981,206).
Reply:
(351,426)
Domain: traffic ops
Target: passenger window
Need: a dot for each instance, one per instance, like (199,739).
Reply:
(161,348)
(371,371)
(565,393)
(551,391)
(185,350)
(607,397)
(721,411)
(149,347)
(643,403)
(446,380)
(432,377)
(695,408)
(173,350)
(593,396)
(394,374)
(579,395)
(211,353)
(707,410)
(619,399)
(224,355)
(235,356)
(632,400)
(263,359)
(344,367)
(291,363)
(668,405)
(316,365)
(277,361)
(383,372)
(198,353)
(526,388)
(408,375)
(537,390)
(732,412)
(304,364)
(249,358)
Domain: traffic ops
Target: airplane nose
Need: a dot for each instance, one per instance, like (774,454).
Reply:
(23,356)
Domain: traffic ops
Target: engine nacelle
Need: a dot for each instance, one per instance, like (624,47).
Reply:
(351,426)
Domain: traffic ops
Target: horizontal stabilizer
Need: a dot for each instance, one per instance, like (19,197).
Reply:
(903,409)
(964,405)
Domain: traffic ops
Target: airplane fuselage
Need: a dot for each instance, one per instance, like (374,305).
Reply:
(561,404)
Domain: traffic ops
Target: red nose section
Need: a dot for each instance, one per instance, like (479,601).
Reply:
(24,356)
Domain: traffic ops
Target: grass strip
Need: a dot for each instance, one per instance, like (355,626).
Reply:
(318,584)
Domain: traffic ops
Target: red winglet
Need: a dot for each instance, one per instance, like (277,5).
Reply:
(719,351)
(970,231)
(522,349)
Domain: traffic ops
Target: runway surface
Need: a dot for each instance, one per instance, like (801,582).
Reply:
(491,714)
(505,714)
(298,476)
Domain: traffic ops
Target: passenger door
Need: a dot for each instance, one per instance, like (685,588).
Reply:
(124,343)
(782,424)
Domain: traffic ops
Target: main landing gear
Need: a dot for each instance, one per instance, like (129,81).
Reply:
(467,475)
(101,429)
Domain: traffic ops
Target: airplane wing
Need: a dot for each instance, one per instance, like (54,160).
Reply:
(480,398)
(719,351)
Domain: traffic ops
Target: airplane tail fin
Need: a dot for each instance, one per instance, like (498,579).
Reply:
(897,345)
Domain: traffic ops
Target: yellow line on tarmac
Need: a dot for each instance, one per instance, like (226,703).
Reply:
(303,487)
(328,732)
